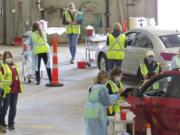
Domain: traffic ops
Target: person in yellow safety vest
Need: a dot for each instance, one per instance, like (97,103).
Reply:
(115,86)
(72,29)
(148,68)
(95,114)
(175,65)
(116,44)
(40,49)
(2,93)
(12,88)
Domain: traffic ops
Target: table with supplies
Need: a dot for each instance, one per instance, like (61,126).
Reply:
(118,123)
(93,44)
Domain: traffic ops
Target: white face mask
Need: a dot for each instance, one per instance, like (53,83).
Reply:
(9,60)
(118,78)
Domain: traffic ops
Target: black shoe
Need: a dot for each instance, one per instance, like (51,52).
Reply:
(11,127)
(72,61)
(38,83)
(3,125)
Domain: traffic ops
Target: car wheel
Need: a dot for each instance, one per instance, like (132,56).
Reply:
(102,62)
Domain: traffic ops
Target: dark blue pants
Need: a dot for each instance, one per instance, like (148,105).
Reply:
(9,101)
(113,64)
(72,41)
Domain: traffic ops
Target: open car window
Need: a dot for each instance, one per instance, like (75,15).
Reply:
(130,37)
(160,88)
(143,41)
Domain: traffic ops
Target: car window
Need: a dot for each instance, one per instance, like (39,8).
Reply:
(143,41)
(174,88)
(130,38)
(159,88)
(171,40)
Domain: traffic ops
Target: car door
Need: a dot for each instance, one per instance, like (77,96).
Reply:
(161,109)
(138,109)
(130,37)
(136,52)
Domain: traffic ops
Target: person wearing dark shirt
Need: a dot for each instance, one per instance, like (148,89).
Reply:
(148,68)
(116,44)
(115,86)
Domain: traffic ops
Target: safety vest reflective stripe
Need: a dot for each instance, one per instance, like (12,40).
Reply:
(8,78)
(144,70)
(177,62)
(1,81)
(71,29)
(40,45)
(116,47)
(115,89)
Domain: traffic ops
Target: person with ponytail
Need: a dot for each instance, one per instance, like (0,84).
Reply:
(40,50)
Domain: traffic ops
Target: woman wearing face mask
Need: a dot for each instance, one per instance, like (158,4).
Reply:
(2,93)
(149,67)
(72,29)
(114,86)
(95,108)
(13,87)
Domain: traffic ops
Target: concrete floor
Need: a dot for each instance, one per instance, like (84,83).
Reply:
(54,111)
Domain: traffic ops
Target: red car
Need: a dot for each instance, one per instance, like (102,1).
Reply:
(158,102)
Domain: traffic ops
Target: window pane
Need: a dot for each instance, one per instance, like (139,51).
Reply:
(160,87)
(171,40)
(143,41)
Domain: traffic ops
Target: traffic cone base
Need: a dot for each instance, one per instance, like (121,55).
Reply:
(55,85)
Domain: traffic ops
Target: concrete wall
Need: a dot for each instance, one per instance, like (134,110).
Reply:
(15,25)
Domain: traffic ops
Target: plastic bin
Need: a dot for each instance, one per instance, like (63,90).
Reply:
(81,64)
(89,32)
(18,41)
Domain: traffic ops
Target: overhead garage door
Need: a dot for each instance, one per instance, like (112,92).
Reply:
(168,13)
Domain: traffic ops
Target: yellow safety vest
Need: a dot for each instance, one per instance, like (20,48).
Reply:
(1,81)
(71,29)
(115,89)
(144,72)
(177,62)
(116,47)
(8,78)
(39,42)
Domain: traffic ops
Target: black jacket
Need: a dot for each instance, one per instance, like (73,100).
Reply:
(151,69)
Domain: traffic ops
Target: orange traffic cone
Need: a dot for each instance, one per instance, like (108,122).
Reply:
(148,129)
(55,78)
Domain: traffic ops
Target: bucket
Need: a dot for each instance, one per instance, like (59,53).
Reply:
(18,41)
(89,32)
(81,64)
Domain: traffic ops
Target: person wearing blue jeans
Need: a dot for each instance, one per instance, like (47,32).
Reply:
(73,28)
(114,64)
(72,41)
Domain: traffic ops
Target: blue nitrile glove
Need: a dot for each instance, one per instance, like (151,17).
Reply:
(116,96)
